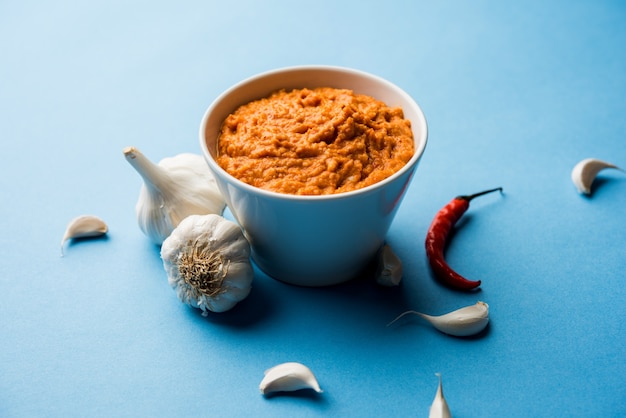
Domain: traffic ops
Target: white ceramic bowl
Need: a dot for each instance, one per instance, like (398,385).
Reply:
(312,240)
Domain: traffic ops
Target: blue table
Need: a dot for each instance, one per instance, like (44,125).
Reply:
(514,93)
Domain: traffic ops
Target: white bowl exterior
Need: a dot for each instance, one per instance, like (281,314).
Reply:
(312,240)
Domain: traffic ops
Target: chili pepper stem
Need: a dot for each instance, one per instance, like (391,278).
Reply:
(471,196)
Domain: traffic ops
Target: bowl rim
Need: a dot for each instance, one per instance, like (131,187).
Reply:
(409,166)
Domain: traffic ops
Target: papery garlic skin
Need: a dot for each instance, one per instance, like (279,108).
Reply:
(389,267)
(463,322)
(173,189)
(207,260)
(439,407)
(288,377)
(82,227)
(585,172)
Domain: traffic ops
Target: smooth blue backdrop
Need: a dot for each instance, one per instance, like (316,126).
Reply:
(515,93)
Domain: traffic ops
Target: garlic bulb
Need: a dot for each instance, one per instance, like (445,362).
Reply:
(439,407)
(389,267)
(463,322)
(173,189)
(585,172)
(82,227)
(207,260)
(288,377)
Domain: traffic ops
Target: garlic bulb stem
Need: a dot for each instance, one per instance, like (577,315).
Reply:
(463,322)
(153,175)
(173,189)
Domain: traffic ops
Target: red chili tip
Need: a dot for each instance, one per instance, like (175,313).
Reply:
(466,285)
(445,274)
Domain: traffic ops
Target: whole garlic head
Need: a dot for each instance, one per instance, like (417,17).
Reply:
(207,260)
(173,189)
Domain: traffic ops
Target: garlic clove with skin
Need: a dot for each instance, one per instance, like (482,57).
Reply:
(463,322)
(84,226)
(173,189)
(207,261)
(439,407)
(288,377)
(585,172)
(389,267)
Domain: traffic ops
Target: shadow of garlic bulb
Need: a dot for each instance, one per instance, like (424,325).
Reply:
(207,260)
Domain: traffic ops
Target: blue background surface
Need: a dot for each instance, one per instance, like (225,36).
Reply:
(515,93)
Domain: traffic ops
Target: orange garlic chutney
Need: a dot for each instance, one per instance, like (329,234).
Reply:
(314,141)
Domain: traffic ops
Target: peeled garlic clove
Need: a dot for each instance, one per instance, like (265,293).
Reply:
(439,407)
(173,189)
(288,377)
(389,267)
(82,227)
(585,172)
(463,322)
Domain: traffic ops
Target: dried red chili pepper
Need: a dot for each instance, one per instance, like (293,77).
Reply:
(436,240)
